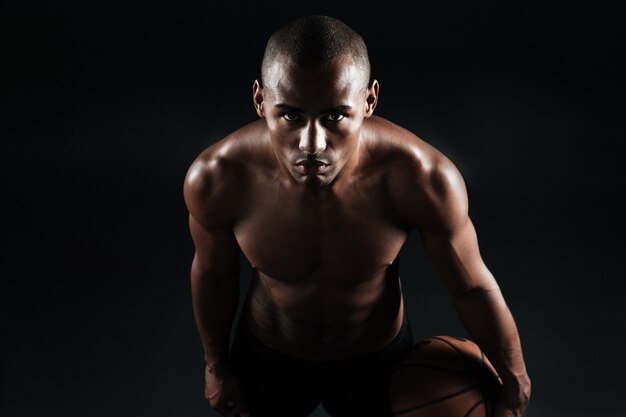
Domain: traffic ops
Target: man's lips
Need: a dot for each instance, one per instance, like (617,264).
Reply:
(311,162)
(311,167)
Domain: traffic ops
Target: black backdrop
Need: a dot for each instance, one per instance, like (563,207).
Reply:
(105,104)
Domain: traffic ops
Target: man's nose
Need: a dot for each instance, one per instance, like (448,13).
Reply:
(312,139)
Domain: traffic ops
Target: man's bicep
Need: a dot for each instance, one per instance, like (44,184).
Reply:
(456,258)
(448,234)
(217,250)
(210,220)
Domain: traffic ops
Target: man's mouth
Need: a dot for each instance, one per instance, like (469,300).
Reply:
(311,167)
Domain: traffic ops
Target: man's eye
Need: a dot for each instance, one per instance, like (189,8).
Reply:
(335,117)
(291,116)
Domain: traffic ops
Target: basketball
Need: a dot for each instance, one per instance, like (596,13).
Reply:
(444,376)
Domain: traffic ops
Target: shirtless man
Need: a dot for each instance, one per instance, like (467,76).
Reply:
(320,195)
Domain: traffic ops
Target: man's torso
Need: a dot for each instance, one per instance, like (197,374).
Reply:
(325,281)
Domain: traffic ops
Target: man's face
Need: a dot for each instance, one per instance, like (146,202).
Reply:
(314,116)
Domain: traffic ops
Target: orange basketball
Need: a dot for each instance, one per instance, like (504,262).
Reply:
(444,376)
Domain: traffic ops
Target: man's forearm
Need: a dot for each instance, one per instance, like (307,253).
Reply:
(488,320)
(215,304)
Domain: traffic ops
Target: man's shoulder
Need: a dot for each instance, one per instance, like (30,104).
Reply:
(418,175)
(406,155)
(217,175)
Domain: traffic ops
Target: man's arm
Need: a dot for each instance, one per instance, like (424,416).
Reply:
(209,189)
(450,241)
(215,266)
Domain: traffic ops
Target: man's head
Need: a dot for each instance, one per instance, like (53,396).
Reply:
(315,41)
(315,90)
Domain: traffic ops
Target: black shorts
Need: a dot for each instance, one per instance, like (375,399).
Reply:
(276,384)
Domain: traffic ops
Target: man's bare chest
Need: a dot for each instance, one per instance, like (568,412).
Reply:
(289,238)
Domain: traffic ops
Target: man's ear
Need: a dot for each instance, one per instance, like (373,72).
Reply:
(257,98)
(372,98)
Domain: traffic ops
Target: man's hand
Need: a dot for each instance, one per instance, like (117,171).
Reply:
(513,400)
(223,392)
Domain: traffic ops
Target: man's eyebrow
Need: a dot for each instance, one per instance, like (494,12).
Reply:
(328,110)
(288,107)
(338,108)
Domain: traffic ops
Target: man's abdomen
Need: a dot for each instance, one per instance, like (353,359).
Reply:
(318,320)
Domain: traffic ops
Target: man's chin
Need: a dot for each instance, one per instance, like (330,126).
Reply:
(313,181)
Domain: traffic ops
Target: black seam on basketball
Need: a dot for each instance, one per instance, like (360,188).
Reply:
(467,361)
(438,400)
(469,364)
(472,408)
(423,365)
(482,387)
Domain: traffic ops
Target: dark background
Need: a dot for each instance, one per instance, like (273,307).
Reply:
(105,105)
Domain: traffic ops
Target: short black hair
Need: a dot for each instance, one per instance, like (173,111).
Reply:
(315,41)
